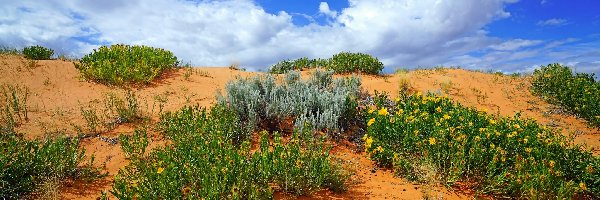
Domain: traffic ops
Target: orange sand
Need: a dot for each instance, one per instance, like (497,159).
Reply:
(58,93)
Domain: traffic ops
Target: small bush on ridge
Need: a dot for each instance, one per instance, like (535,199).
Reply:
(37,52)
(122,64)
(344,62)
(579,93)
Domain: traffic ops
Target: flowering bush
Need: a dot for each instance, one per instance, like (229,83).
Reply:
(504,156)
(579,93)
(205,160)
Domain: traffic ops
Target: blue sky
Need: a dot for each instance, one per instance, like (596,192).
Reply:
(490,35)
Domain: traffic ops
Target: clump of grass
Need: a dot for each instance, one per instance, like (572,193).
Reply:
(13,105)
(505,157)
(9,51)
(117,109)
(205,160)
(37,52)
(124,64)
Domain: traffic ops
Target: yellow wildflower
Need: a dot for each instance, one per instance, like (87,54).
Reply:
(397,99)
(371,110)
(383,111)
(446,116)
(379,149)
(392,120)
(517,126)
(582,186)
(396,156)
(492,121)
(368,143)
(477,138)
(419,94)
(365,137)
(482,129)
(528,150)
(298,163)
(160,170)
(492,146)
(371,121)
(590,169)
(399,112)
(431,141)
(438,109)
(525,141)
(551,163)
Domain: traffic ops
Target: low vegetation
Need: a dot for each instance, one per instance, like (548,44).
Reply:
(579,93)
(37,52)
(124,64)
(28,164)
(205,160)
(324,102)
(430,137)
(343,62)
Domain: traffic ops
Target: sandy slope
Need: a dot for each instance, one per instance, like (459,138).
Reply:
(57,94)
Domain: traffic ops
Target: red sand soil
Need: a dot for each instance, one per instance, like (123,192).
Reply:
(58,93)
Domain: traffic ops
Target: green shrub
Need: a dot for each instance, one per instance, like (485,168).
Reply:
(122,64)
(205,160)
(343,62)
(26,164)
(37,53)
(510,157)
(579,93)
(321,101)
(355,62)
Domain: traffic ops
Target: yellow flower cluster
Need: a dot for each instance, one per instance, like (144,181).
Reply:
(371,121)
(383,112)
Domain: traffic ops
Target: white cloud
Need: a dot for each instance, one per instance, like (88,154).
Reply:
(552,22)
(324,9)
(218,33)
(515,44)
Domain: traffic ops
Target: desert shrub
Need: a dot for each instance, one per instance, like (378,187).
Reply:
(346,62)
(504,156)
(205,160)
(27,164)
(321,101)
(343,62)
(37,52)
(579,93)
(121,64)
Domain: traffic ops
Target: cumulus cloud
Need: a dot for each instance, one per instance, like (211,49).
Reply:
(324,9)
(218,33)
(552,22)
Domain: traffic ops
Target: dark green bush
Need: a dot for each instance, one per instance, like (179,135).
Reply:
(122,64)
(579,93)
(27,164)
(37,52)
(340,63)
